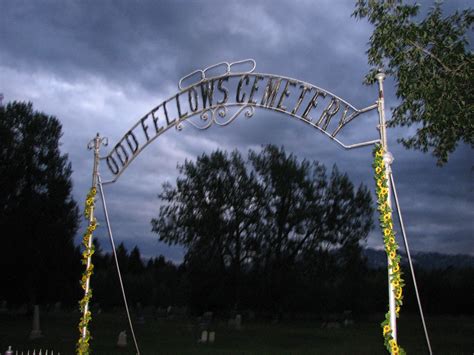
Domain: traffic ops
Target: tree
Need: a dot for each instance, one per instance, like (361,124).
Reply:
(257,217)
(305,212)
(433,69)
(135,263)
(211,211)
(38,215)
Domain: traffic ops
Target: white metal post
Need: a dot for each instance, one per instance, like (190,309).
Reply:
(388,159)
(94,145)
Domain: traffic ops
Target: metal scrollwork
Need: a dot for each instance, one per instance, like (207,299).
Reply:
(100,141)
(206,74)
(211,116)
(220,93)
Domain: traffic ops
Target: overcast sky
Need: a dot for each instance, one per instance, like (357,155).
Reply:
(99,66)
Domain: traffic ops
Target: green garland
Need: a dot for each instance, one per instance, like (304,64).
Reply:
(83,342)
(391,246)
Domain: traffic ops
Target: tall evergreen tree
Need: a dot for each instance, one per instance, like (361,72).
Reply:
(39,216)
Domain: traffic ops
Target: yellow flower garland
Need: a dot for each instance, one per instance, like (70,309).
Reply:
(391,247)
(83,342)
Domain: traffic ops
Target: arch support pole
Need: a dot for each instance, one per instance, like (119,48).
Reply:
(410,263)
(388,159)
(114,250)
(93,145)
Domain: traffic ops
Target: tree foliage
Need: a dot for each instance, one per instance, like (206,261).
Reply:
(212,212)
(38,216)
(260,216)
(432,65)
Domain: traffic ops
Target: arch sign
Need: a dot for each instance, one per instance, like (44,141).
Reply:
(218,95)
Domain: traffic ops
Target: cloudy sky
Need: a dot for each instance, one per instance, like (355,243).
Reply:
(99,66)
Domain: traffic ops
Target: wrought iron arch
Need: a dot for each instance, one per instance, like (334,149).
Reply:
(206,93)
(209,97)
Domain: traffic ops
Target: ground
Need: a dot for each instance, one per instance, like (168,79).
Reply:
(449,335)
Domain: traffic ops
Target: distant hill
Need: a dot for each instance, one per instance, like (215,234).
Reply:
(428,261)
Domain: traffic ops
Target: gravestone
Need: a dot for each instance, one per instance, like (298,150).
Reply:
(212,337)
(238,322)
(203,338)
(36,331)
(348,322)
(122,339)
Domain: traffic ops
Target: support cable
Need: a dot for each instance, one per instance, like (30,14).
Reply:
(412,270)
(109,229)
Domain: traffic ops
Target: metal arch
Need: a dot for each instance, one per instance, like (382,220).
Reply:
(221,111)
(213,114)
(229,73)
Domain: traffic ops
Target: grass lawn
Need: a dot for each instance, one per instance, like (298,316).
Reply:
(449,335)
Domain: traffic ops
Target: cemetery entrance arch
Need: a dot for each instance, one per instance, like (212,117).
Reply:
(218,95)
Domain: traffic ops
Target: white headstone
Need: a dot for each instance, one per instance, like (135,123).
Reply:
(203,337)
(36,331)
(212,337)
(122,339)
(238,322)
(348,322)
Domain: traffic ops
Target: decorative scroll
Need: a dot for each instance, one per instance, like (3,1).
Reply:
(218,115)
(212,72)
(209,94)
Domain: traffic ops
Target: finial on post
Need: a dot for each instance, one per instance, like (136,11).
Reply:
(380,76)
(94,144)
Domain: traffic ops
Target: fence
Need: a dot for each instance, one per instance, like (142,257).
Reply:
(30,352)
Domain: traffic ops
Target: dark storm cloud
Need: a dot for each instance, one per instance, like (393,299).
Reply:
(99,66)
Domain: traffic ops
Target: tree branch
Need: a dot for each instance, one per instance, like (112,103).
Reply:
(428,53)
